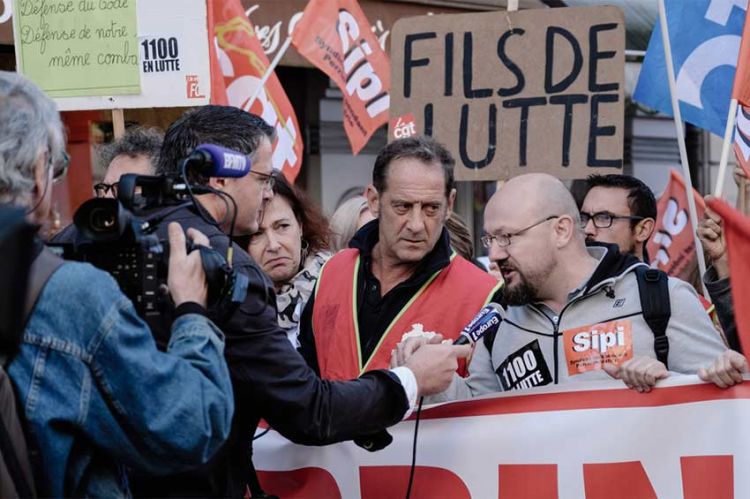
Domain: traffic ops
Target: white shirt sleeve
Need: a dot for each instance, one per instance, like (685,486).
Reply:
(409,382)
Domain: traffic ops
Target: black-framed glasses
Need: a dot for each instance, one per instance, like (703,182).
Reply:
(101,189)
(60,167)
(503,240)
(604,219)
(269,179)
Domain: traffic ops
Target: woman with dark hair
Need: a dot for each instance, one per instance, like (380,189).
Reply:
(291,246)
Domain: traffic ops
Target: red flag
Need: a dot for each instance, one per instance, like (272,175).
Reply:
(737,236)
(239,64)
(672,247)
(218,88)
(336,37)
(741,88)
(742,139)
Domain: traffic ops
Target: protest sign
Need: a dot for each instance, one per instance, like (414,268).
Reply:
(167,54)
(597,440)
(672,246)
(514,92)
(78,48)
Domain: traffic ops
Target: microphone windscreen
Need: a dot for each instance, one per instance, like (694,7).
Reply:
(218,161)
(488,319)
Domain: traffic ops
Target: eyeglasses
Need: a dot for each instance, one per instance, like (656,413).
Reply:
(503,240)
(59,168)
(269,180)
(101,189)
(603,219)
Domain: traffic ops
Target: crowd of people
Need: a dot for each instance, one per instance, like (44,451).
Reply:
(343,326)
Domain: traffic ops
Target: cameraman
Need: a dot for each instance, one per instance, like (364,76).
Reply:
(95,392)
(271,380)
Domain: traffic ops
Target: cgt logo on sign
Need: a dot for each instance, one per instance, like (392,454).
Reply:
(403,126)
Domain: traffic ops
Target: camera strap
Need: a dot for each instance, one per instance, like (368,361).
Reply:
(44,265)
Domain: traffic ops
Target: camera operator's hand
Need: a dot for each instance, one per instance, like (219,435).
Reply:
(186,279)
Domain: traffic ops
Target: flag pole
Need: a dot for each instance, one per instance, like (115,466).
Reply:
(512,6)
(681,142)
(118,123)
(271,68)
(719,189)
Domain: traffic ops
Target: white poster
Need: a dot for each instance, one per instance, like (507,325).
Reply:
(172,55)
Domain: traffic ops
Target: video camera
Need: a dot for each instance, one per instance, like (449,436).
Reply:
(118,236)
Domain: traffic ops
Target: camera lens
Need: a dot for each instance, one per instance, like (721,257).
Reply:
(102,220)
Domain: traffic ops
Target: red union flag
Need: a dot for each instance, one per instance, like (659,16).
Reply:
(741,88)
(335,36)
(238,65)
(742,138)
(737,234)
(672,247)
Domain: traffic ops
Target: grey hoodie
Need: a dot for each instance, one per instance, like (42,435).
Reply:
(601,320)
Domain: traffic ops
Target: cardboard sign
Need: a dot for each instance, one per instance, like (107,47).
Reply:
(588,347)
(170,50)
(515,92)
(75,49)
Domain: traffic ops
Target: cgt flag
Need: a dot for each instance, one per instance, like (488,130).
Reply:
(705,38)
(737,234)
(335,36)
(672,247)
(239,64)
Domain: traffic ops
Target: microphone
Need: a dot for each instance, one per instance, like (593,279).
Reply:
(487,320)
(216,161)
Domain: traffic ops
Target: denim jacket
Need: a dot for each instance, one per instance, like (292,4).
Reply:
(98,396)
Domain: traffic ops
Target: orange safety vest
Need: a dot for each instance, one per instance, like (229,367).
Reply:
(444,304)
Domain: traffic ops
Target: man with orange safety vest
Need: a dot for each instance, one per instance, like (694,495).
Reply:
(399,274)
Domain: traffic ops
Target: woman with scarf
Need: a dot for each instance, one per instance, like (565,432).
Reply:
(291,246)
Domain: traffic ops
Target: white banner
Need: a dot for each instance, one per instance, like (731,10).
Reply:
(172,56)
(594,440)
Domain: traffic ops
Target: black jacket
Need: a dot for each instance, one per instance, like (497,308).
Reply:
(720,291)
(272,381)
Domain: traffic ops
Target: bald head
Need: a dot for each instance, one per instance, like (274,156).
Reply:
(532,196)
(537,238)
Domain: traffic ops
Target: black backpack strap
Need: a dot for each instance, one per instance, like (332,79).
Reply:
(653,287)
(41,270)
(15,454)
(489,340)
(13,450)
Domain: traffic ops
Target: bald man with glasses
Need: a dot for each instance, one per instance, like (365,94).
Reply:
(574,311)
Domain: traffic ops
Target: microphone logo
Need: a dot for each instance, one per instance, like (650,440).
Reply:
(488,319)
(234,161)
